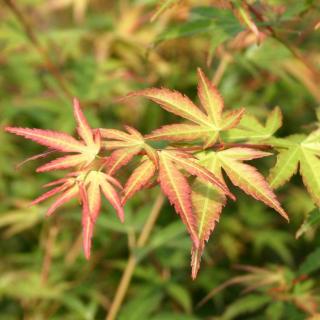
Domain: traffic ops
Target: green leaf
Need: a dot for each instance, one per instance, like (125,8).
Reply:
(245,305)
(311,263)
(302,150)
(311,222)
(251,129)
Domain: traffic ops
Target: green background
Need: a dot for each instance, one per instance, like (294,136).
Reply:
(99,51)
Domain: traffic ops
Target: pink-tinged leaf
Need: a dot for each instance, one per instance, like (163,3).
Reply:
(55,182)
(93,194)
(134,132)
(114,134)
(232,118)
(120,158)
(175,186)
(195,169)
(112,196)
(152,154)
(178,132)
(65,197)
(87,223)
(114,181)
(83,127)
(138,179)
(87,233)
(48,194)
(210,98)
(38,156)
(97,141)
(52,139)
(63,163)
(251,182)
(211,139)
(241,153)
(174,102)
(112,145)
(207,201)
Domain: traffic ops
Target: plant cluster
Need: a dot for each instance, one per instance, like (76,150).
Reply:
(198,148)
(198,154)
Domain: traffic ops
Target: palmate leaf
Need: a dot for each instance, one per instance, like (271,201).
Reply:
(86,150)
(176,187)
(208,200)
(206,125)
(139,178)
(87,186)
(124,146)
(298,151)
(94,183)
(251,129)
(85,182)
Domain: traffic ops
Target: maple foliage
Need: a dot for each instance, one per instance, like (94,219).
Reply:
(205,125)
(298,151)
(84,183)
(191,174)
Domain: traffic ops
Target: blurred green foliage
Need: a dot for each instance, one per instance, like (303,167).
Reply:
(100,50)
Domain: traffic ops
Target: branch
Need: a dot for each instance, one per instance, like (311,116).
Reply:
(132,261)
(43,52)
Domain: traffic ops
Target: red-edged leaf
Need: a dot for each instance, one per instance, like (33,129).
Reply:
(93,194)
(175,186)
(178,132)
(112,196)
(114,181)
(38,156)
(152,154)
(83,127)
(195,169)
(250,181)
(134,132)
(63,198)
(207,201)
(52,139)
(241,153)
(232,118)
(114,134)
(138,179)
(55,182)
(48,194)
(174,102)
(87,223)
(113,145)
(120,158)
(63,163)
(210,98)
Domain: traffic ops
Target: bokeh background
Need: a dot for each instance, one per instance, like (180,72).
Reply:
(52,50)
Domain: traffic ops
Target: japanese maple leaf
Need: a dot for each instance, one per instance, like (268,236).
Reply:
(85,182)
(87,186)
(298,151)
(85,150)
(173,164)
(124,146)
(250,129)
(177,189)
(205,124)
(208,200)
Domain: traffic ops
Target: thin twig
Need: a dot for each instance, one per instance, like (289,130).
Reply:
(132,261)
(46,265)
(295,51)
(11,4)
